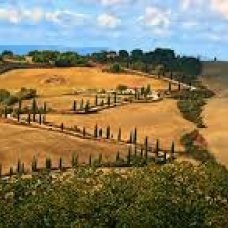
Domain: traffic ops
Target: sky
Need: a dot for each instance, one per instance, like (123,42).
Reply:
(191,27)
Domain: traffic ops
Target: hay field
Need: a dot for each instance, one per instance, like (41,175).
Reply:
(19,142)
(56,81)
(216,111)
(156,120)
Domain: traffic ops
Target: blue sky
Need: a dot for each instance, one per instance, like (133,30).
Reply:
(197,27)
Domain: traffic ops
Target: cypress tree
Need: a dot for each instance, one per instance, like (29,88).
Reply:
(136,94)
(87,107)
(141,153)
(90,160)
(74,160)
(165,157)
(135,136)
(62,126)
(129,157)
(117,156)
(45,112)
(96,100)
(100,159)
(157,146)
(170,86)
(84,132)
(115,98)
(130,138)
(108,132)
(29,118)
(40,118)
(11,171)
(6,112)
(34,109)
(135,150)
(48,164)
(96,131)
(109,100)
(172,152)
(100,133)
(60,164)
(119,135)
(179,86)
(146,147)
(34,164)
(19,110)
(0,170)
(22,168)
(75,106)
(19,166)
(82,105)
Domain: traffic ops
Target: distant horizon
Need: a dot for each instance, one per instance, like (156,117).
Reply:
(22,49)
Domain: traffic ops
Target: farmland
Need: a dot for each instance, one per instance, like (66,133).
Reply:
(216,111)
(59,89)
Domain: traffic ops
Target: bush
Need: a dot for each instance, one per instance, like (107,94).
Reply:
(4,94)
(26,94)
(11,100)
(154,196)
(115,68)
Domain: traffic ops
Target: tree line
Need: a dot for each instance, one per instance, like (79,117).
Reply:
(162,61)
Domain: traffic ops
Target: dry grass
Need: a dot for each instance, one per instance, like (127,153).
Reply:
(159,120)
(66,80)
(216,111)
(18,142)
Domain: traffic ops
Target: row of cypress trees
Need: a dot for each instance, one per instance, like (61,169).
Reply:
(133,157)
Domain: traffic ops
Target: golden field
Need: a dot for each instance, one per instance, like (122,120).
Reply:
(160,120)
(156,120)
(55,82)
(21,142)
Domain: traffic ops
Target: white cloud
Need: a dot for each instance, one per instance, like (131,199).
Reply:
(156,18)
(108,21)
(111,2)
(66,18)
(36,15)
(221,7)
(192,4)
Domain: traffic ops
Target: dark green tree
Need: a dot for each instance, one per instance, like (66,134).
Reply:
(84,132)
(96,101)
(146,146)
(29,118)
(96,131)
(34,109)
(87,107)
(75,106)
(19,110)
(48,164)
(109,100)
(74,160)
(60,164)
(129,157)
(45,112)
(119,135)
(34,164)
(108,132)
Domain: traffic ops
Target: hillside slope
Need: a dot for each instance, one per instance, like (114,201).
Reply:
(215,75)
